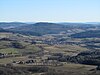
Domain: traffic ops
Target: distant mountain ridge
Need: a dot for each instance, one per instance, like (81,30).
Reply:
(87,34)
(7,25)
(42,28)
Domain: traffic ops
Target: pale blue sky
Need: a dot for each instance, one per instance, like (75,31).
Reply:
(50,10)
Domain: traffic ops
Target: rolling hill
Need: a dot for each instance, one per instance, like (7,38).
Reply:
(7,25)
(87,34)
(40,29)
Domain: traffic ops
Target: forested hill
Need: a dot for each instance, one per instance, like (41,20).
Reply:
(78,30)
(2,30)
(7,25)
(87,34)
(40,28)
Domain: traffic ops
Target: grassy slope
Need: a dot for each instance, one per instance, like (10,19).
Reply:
(67,49)
(75,69)
(9,50)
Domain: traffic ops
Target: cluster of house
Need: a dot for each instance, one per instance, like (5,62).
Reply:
(47,60)
(44,63)
(2,55)
(98,67)
(7,55)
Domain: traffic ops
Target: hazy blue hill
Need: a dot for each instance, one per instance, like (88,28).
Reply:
(87,34)
(2,30)
(7,25)
(40,28)
(79,25)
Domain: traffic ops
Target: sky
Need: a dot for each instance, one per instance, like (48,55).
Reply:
(50,10)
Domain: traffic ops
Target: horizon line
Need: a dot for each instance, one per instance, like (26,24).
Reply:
(53,21)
